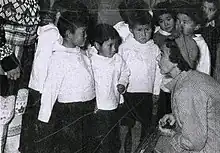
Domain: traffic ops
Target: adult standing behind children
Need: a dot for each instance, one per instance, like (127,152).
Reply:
(22,19)
(139,52)
(195,102)
(211,29)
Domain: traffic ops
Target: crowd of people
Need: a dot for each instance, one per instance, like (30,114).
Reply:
(86,80)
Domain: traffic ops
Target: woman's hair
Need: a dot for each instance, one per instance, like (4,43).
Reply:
(176,56)
(104,32)
(163,8)
(71,20)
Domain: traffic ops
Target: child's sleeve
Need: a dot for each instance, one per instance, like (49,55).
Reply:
(158,76)
(123,52)
(51,89)
(125,73)
(204,64)
(45,47)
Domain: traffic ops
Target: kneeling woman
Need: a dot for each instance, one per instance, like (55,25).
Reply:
(195,102)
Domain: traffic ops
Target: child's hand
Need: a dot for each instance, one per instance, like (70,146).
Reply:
(14,74)
(121,88)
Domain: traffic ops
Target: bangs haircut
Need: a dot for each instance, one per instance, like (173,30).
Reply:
(163,8)
(140,17)
(104,32)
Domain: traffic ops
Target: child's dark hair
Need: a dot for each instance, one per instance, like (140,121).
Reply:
(163,8)
(129,6)
(176,56)
(104,32)
(48,14)
(71,21)
(193,11)
(141,17)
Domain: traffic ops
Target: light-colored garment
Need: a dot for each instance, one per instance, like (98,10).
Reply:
(211,23)
(204,64)
(123,30)
(12,109)
(196,107)
(69,79)
(141,60)
(48,38)
(108,73)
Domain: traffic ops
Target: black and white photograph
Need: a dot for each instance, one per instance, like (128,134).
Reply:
(110,76)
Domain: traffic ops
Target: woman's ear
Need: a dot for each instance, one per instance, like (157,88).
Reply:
(97,46)
(67,34)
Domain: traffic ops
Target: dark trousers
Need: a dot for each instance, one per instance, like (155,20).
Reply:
(72,126)
(164,104)
(36,136)
(138,107)
(108,139)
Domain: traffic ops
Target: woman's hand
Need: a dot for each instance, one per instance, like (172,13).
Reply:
(167,121)
(168,118)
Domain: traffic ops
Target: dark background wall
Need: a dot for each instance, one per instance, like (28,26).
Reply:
(108,9)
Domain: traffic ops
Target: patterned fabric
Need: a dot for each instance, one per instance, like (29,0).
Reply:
(195,105)
(20,35)
(5,51)
(24,12)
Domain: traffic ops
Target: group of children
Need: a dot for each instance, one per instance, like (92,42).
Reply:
(87,92)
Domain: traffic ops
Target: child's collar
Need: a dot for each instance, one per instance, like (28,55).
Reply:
(164,32)
(211,23)
(136,43)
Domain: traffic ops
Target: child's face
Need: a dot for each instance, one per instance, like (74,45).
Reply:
(78,38)
(166,22)
(185,24)
(142,33)
(108,48)
(209,10)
